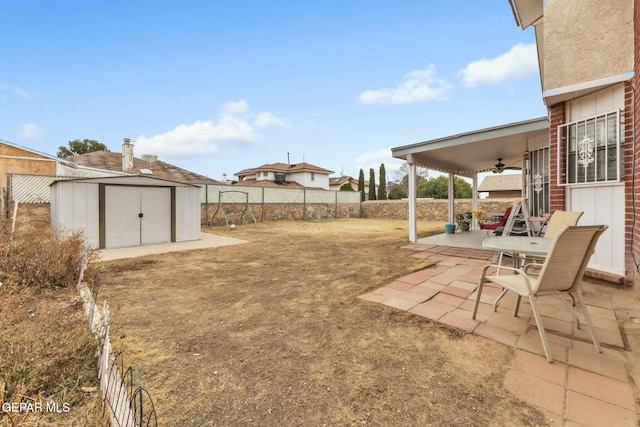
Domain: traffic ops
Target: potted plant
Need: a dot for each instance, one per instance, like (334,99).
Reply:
(477,214)
(463,222)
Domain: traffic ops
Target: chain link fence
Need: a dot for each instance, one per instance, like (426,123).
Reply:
(225,204)
(221,203)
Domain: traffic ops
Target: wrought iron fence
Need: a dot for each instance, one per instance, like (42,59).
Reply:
(127,405)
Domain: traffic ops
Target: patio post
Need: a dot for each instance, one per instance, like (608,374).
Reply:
(413,228)
(451,199)
(474,198)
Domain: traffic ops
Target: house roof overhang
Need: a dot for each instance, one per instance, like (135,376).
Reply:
(567,93)
(526,12)
(467,154)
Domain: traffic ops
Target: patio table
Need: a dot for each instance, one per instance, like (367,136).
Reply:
(516,246)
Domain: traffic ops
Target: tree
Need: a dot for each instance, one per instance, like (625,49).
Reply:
(361,185)
(372,184)
(346,187)
(438,188)
(397,192)
(81,147)
(382,189)
(402,176)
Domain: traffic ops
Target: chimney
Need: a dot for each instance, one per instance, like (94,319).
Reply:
(127,155)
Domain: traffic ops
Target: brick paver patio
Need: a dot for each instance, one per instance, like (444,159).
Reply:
(582,387)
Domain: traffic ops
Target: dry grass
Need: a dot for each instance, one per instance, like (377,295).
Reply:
(46,350)
(272,333)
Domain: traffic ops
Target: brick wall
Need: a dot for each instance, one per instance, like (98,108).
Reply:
(633,175)
(556,192)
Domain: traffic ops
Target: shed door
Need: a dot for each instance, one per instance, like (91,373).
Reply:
(137,216)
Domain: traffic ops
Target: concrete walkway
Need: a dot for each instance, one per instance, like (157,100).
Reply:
(207,240)
(582,387)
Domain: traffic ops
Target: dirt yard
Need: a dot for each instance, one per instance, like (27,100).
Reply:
(272,333)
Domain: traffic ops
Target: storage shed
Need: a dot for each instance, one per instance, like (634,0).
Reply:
(125,211)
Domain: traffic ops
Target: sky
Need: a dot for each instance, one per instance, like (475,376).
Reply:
(216,87)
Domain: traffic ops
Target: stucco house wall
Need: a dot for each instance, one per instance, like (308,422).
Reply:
(586,40)
(14,159)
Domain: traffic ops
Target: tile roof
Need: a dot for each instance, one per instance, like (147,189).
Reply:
(283,167)
(266,183)
(113,162)
(339,180)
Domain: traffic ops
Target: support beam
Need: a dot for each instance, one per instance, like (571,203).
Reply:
(413,226)
(474,200)
(451,199)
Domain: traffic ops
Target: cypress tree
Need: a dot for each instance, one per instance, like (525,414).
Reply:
(382,189)
(372,184)
(361,185)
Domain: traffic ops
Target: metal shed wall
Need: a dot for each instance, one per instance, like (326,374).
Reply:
(80,205)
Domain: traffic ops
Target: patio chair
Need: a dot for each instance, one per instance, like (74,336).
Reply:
(560,274)
(557,221)
(560,219)
(495,225)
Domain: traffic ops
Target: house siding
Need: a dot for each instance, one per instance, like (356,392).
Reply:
(15,160)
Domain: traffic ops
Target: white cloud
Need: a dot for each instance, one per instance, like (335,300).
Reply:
(416,86)
(30,131)
(266,119)
(373,159)
(235,125)
(16,90)
(236,108)
(520,61)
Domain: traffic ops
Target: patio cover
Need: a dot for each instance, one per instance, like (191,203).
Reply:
(470,153)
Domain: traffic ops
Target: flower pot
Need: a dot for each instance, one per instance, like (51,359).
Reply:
(450,228)
(464,226)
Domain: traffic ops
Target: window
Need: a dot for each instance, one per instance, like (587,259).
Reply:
(539,182)
(313,176)
(265,173)
(590,150)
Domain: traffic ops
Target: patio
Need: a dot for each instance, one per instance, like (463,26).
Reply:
(582,387)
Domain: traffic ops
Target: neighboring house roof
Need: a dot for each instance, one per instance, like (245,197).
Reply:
(113,162)
(340,180)
(283,167)
(265,183)
(507,182)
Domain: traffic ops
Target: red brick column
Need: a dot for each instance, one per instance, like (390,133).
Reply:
(632,163)
(556,192)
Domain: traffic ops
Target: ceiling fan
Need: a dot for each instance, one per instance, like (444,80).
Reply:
(501,167)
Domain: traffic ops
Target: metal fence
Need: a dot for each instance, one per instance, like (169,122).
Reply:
(127,405)
(24,188)
(267,203)
(263,195)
